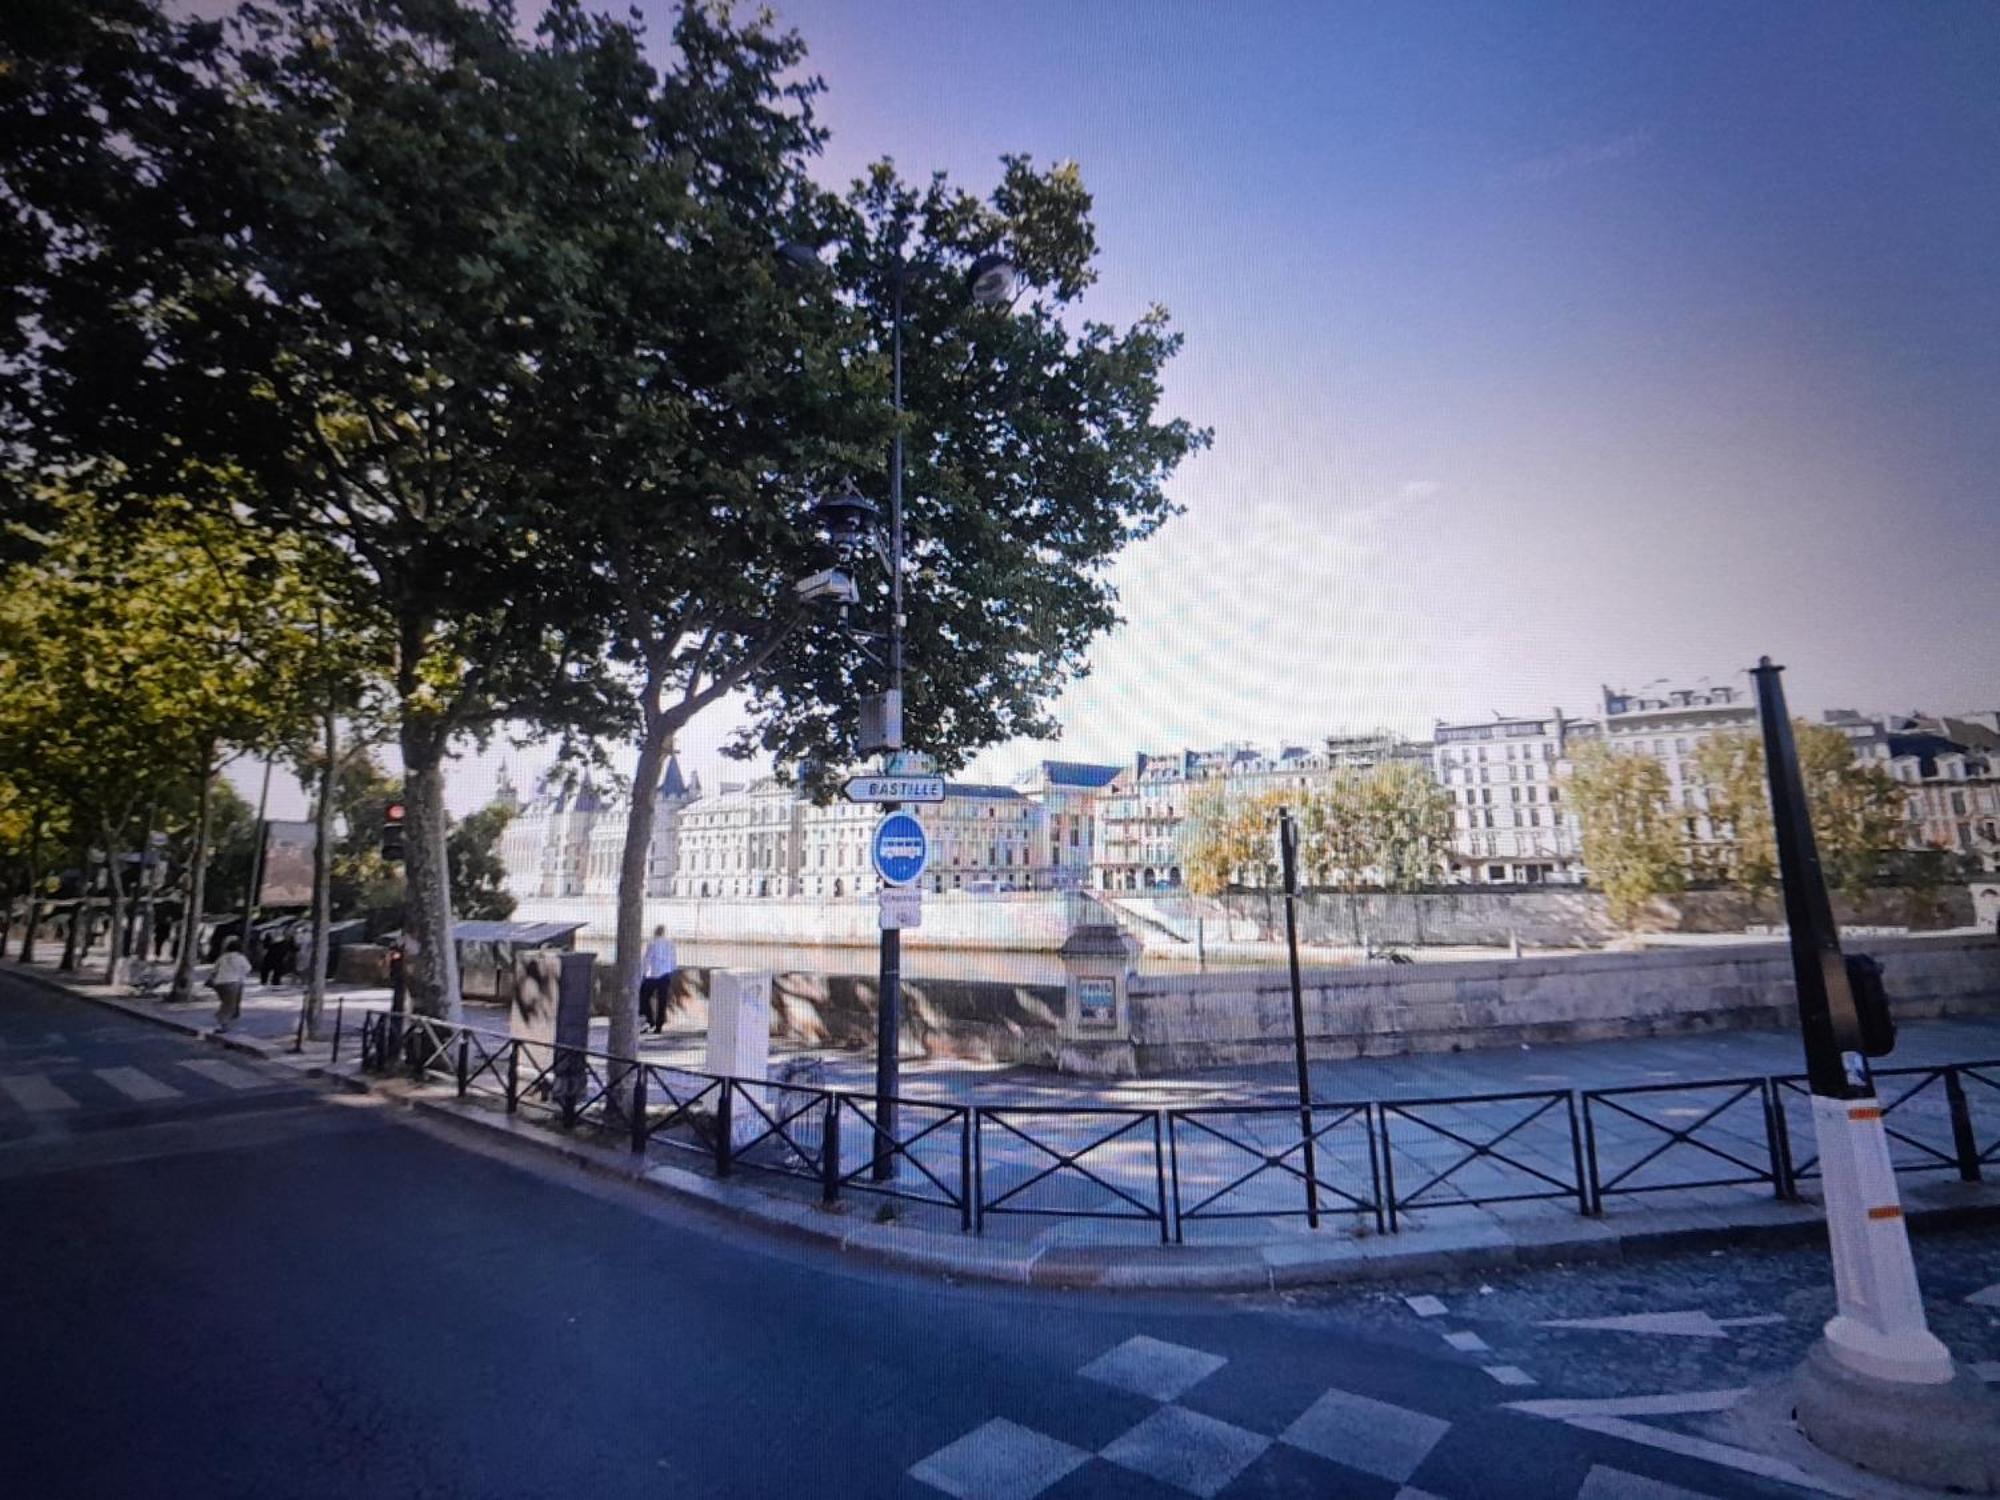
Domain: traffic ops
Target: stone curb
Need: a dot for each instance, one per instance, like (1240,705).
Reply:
(1216,1268)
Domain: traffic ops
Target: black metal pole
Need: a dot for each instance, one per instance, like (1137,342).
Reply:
(889,986)
(1288,848)
(1835,1067)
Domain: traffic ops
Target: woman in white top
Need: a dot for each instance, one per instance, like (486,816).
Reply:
(232,970)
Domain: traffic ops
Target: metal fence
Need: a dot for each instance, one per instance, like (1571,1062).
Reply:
(1659,1137)
(1171,1168)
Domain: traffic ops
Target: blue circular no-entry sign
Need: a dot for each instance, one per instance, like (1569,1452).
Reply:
(901,849)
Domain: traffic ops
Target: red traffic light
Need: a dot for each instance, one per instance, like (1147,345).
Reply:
(393,813)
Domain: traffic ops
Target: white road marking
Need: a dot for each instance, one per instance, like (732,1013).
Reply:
(1509,1374)
(226,1073)
(1986,1296)
(1467,1343)
(1987,1370)
(1755,1320)
(1426,1307)
(1687,1325)
(1603,1483)
(1673,1404)
(1740,1459)
(134,1084)
(36,1094)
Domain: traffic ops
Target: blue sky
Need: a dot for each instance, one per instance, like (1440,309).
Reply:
(1545,346)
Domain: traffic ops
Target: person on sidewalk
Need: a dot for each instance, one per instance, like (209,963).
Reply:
(232,971)
(656,981)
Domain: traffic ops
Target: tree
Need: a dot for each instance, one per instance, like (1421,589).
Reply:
(139,646)
(387,254)
(1406,823)
(1632,842)
(726,383)
(478,875)
(1730,771)
(1230,839)
(1857,810)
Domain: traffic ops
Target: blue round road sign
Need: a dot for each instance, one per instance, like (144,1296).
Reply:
(901,849)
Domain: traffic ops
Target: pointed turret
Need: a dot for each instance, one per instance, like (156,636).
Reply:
(672,786)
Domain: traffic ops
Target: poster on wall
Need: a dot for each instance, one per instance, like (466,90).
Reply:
(288,864)
(1097,1004)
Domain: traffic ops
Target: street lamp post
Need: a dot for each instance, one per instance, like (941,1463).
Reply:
(988,283)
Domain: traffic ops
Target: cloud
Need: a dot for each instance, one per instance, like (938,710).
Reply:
(1420,489)
(1553,164)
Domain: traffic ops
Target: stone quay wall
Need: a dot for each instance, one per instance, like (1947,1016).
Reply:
(975,1020)
(1183,1023)
(1213,1020)
(1024,921)
(1549,917)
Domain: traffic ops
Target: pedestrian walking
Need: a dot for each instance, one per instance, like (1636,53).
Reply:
(277,961)
(232,972)
(656,981)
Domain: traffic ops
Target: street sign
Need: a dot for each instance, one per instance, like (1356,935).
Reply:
(902,906)
(900,849)
(893,789)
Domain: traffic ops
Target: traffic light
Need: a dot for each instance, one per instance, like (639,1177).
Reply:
(392,832)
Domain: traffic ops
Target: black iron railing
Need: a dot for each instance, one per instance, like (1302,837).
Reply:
(1928,1114)
(1476,1149)
(1246,1161)
(1724,1134)
(1058,1178)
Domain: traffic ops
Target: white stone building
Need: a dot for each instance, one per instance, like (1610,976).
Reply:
(1670,725)
(569,838)
(1510,824)
(1065,845)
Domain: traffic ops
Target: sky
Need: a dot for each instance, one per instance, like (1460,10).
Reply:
(1546,347)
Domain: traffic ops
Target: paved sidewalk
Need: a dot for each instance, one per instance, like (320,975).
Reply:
(1440,1156)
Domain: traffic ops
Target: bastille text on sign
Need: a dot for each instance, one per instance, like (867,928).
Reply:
(894,789)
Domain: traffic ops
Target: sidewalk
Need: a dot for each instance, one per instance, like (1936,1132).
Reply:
(1519,1139)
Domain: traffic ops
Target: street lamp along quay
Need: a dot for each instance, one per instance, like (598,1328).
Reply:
(851,519)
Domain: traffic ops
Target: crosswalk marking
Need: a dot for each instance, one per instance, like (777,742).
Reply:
(35,1093)
(225,1073)
(134,1084)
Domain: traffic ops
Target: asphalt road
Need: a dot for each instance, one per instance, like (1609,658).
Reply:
(215,1281)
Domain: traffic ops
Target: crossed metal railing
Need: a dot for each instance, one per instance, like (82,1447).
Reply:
(1094,1161)
(1661,1152)
(1928,1113)
(1079,1172)
(1457,1148)
(1257,1154)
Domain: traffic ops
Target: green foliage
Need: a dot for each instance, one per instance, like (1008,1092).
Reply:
(1632,838)
(1856,809)
(1230,838)
(1388,828)
(478,877)
(131,649)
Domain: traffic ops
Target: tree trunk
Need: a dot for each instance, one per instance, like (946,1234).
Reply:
(631,936)
(77,935)
(430,958)
(114,937)
(322,919)
(197,888)
(27,953)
